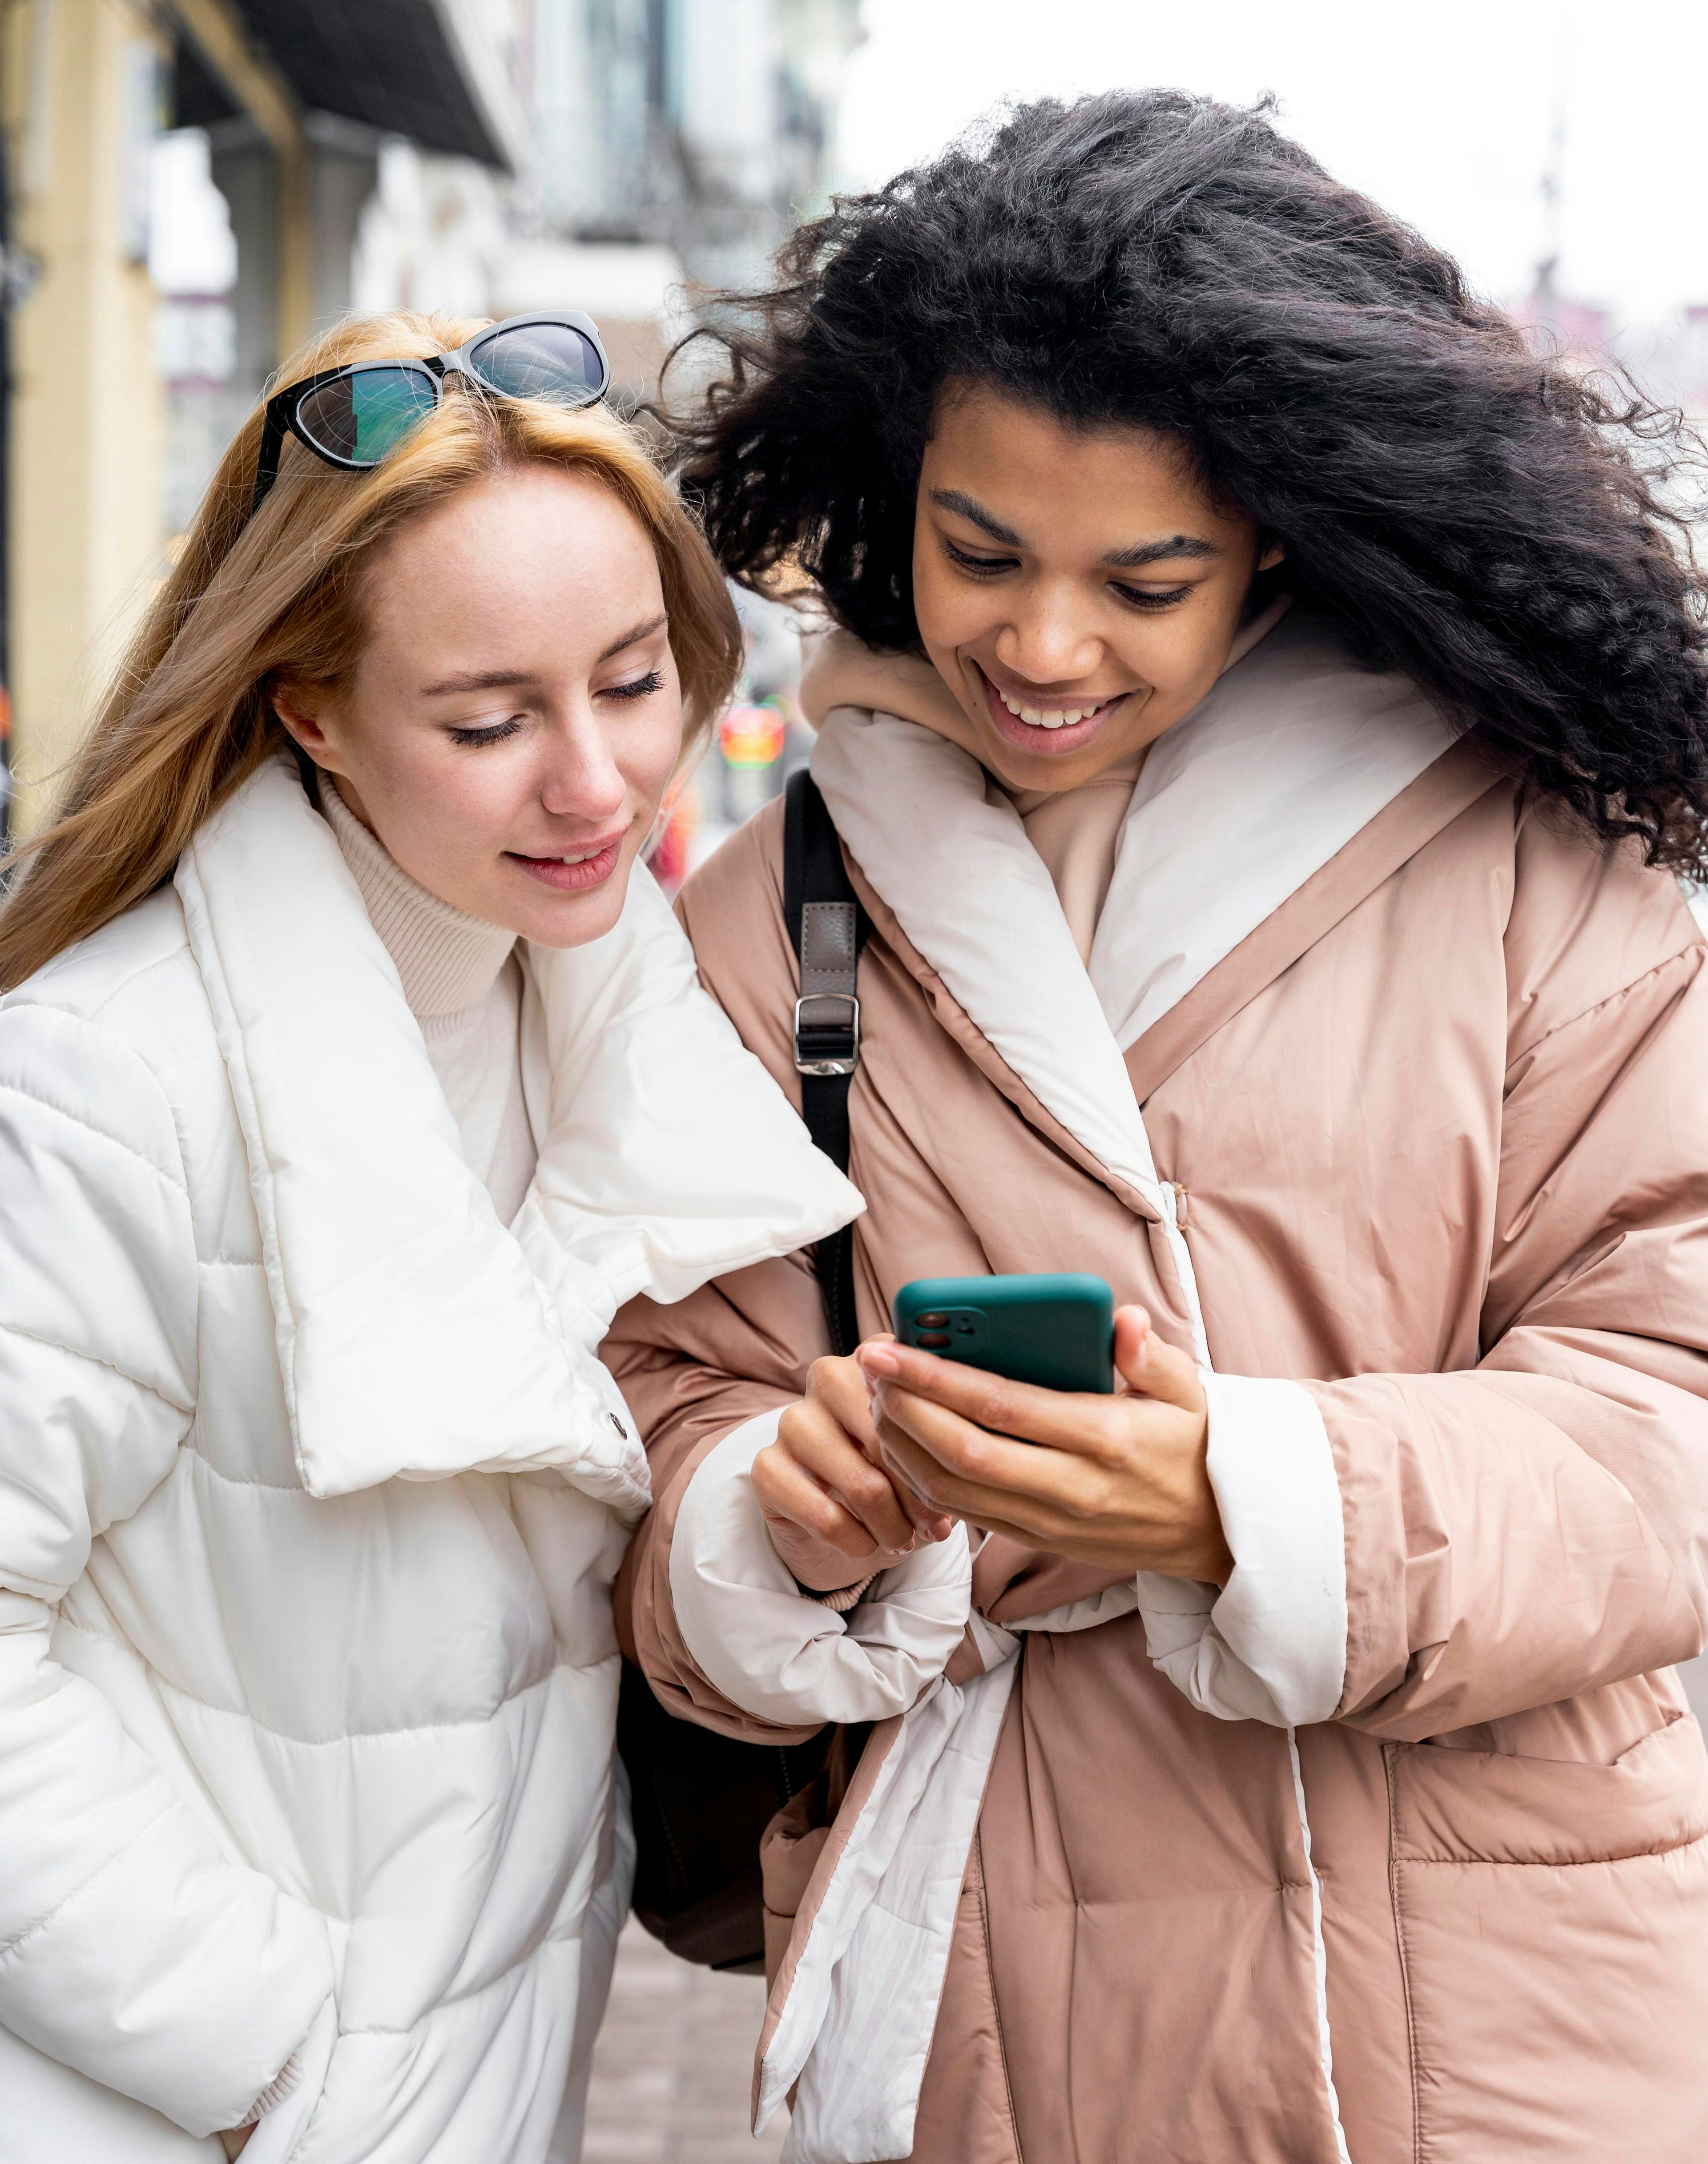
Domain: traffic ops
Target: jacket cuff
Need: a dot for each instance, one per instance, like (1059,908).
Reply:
(1271,1646)
(842,1598)
(276,2092)
(779,1654)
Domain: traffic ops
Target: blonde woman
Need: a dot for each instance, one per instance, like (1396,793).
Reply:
(352,1072)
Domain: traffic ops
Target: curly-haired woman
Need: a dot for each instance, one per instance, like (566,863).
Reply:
(352,1071)
(1269,721)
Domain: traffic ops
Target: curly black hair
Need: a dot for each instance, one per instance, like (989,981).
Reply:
(1504,527)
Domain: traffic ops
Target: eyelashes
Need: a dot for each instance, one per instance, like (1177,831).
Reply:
(495,734)
(993,567)
(641,687)
(979,566)
(1139,598)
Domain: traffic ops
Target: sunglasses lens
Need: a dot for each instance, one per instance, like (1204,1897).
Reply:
(366,414)
(541,361)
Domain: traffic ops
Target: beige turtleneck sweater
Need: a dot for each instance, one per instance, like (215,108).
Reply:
(462,981)
(1077,832)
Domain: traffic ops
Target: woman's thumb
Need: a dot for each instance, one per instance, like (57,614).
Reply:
(1151,1368)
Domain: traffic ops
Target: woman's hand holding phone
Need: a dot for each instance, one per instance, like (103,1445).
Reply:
(835,1515)
(1119,1481)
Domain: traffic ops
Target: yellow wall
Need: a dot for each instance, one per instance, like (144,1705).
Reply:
(88,411)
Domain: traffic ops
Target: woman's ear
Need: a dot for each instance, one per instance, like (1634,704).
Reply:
(1275,552)
(300,716)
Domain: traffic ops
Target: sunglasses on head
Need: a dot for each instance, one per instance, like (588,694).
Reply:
(354,416)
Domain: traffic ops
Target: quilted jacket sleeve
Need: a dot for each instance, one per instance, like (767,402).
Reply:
(693,1373)
(131,1947)
(1529,1529)
(722,1630)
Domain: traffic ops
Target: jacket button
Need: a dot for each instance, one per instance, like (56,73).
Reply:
(618,1426)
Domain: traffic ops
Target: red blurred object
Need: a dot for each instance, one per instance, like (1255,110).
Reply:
(669,861)
(752,736)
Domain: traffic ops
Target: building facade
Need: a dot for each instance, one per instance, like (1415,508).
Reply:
(193,185)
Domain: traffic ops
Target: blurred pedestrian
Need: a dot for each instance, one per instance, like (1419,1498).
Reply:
(351,1072)
(1270,720)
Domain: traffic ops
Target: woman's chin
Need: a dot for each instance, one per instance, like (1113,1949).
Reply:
(1021,765)
(1025,756)
(574,919)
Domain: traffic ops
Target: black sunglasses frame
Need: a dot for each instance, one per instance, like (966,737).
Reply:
(282,408)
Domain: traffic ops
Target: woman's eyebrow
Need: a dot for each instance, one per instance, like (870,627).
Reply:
(478,680)
(504,679)
(1160,552)
(1120,559)
(629,638)
(969,508)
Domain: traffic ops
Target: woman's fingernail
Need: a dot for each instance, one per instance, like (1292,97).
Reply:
(879,1360)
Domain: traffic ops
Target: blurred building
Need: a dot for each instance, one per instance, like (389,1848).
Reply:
(1669,360)
(193,186)
(296,98)
(1558,323)
(701,125)
(1692,360)
(1675,360)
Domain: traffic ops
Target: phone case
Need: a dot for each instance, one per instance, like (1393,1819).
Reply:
(1056,1331)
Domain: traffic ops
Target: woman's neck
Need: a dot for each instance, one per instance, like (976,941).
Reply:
(447,959)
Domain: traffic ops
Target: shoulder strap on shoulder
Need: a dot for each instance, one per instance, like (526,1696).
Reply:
(826,928)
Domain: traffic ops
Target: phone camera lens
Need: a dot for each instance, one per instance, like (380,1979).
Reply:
(931,1340)
(932,1322)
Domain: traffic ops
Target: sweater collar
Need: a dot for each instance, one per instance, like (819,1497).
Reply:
(447,959)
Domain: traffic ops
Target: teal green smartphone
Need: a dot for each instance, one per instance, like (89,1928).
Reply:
(1058,1331)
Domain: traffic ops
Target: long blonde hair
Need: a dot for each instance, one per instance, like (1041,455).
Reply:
(275,598)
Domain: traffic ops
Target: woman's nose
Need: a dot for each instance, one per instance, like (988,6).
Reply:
(1049,643)
(581,780)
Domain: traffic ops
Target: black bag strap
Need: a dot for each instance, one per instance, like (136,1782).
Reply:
(826,928)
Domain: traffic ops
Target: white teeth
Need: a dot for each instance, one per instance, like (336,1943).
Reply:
(1057,717)
(585,857)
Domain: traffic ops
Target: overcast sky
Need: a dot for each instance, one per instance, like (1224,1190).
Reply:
(1442,110)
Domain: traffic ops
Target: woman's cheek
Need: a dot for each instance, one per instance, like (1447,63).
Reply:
(1180,656)
(950,614)
(655,751)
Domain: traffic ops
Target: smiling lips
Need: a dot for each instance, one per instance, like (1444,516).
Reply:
(1047,729)
(577,869)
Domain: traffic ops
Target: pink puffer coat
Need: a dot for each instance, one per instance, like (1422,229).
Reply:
(1398,1849)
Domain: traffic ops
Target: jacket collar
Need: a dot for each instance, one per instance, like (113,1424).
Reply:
(670,1155)
(1423,809)
(416,1335)
(1293,752)
(1290,756)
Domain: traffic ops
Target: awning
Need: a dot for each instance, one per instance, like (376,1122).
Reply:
(392,64)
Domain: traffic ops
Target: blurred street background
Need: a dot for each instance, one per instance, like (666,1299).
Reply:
(189,186)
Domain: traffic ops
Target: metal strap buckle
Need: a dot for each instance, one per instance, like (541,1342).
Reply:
(827,1033)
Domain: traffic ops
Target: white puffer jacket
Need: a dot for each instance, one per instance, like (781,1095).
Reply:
(310,1496)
